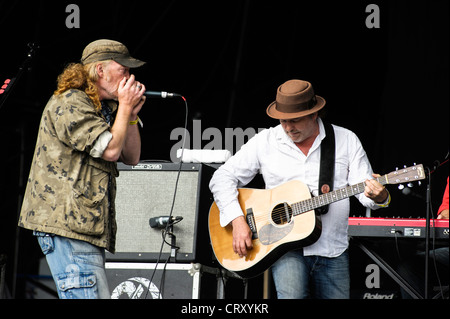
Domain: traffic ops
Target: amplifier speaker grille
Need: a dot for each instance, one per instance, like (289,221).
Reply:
(147,190)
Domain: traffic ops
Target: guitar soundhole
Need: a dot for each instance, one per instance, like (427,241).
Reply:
(282,214)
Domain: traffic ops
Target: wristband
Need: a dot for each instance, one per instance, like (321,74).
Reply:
(135,121)
(386,202)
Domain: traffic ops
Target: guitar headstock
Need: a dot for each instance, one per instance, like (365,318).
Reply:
(406,175)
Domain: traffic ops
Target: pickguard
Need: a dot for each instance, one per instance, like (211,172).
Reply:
(270,234)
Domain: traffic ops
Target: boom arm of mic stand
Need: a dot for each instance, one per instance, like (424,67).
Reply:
(32,50)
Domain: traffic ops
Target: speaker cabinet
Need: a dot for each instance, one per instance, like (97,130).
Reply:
(133,280)
(147,190)
(152,281)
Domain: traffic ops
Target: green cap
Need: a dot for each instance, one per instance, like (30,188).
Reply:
(101,50)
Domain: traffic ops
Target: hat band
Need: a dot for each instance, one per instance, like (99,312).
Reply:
(95,57)
(299,107)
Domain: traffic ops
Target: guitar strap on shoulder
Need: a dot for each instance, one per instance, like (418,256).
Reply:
(327,163)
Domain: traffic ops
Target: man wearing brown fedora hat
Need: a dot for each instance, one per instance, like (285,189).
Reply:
(293,151)
(88,124)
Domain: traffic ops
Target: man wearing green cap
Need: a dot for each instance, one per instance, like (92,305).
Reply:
(88,124)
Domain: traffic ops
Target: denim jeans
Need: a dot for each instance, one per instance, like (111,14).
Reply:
(78,268)
(299,277)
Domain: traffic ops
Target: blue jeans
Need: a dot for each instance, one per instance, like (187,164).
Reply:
(78,268)
(299,277)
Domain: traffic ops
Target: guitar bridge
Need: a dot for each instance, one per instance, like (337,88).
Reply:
(251,223)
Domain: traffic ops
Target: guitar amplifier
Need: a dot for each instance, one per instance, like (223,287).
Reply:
(149,190)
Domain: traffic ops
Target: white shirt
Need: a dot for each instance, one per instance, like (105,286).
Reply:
(273,154)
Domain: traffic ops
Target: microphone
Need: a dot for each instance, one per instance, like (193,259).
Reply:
(161,94)
(162,221)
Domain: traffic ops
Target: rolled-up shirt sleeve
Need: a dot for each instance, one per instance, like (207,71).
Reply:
(101,144)
(237,172)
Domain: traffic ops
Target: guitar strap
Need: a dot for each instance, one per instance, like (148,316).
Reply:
(327,162)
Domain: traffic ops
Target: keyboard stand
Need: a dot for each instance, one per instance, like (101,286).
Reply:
(388,269)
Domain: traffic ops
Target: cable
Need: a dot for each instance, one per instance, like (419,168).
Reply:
(166,230)
(396,245)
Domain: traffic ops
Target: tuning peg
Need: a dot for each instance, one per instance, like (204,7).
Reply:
(401,186)
(410,185)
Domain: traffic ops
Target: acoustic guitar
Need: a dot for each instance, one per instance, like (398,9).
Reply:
(282,219)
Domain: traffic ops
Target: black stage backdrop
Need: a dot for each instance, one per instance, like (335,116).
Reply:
(389,85)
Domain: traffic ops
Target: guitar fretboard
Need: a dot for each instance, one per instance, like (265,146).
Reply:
(331,197)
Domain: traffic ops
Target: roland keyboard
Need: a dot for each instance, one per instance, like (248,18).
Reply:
(396,227)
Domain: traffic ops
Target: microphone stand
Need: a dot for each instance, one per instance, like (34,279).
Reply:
(32,47)
(437,164)
(427,231)
(173,243)
(25,66)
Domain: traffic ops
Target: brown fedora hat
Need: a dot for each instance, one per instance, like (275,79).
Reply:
(295,98)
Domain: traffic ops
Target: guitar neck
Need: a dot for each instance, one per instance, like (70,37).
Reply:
(331,197)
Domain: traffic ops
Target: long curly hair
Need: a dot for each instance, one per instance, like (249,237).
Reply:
(82,77)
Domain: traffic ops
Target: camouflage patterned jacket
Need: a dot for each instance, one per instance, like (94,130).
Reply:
(67,189)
